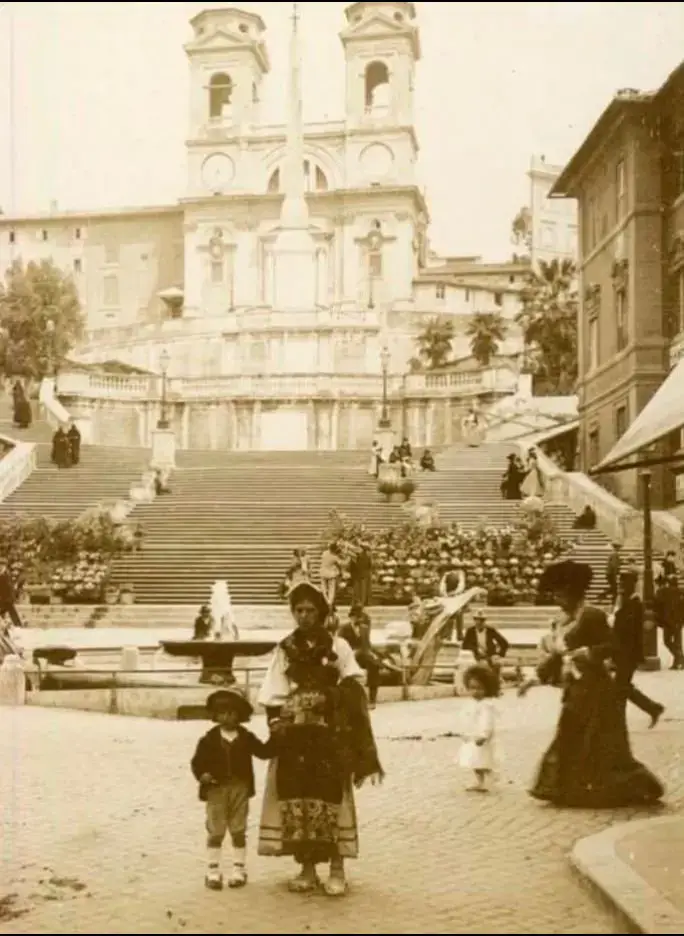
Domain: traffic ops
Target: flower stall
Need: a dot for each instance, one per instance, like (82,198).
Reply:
(63,561)
(411,558)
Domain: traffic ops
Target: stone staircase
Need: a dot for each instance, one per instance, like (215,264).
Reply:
(466,486)
(103,474)
(239,516)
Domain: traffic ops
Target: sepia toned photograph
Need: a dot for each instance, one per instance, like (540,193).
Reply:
(341,468)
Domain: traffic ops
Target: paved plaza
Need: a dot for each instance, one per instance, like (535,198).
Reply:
(102,831)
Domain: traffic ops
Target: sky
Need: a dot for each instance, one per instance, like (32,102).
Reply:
(101,92)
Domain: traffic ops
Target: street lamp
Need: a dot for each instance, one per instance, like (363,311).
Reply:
(164,359)
(651,659)
(385,362)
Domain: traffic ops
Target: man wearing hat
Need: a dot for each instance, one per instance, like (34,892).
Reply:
(628,633)
(486,644)
(223,767)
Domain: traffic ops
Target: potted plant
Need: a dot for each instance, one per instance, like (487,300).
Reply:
(111,594)
(407,487)
(127,594)
(387,488)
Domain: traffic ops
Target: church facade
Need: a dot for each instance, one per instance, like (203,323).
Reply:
(283,293)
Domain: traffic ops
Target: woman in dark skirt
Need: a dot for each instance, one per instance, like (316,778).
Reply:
(589,763)
(318,715)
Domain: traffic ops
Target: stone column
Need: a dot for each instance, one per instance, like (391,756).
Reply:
(335,426)
(255,435)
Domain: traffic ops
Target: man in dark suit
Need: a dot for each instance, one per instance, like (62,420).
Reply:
(361,572)
(628,651)
(486,644)
(669,610)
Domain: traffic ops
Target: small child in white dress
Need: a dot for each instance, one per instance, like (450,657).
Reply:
(478,726)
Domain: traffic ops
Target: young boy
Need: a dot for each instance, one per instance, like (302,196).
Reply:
(223,767)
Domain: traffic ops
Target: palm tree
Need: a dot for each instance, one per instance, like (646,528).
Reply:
(434,342)
(486,331)
(548,317)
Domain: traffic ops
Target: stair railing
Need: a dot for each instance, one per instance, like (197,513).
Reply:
(16,466)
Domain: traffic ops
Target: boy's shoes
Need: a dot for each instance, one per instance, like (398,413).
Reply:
(214,879)
(238,877)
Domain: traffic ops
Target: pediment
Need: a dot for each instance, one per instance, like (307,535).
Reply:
(219,39)
(379,26)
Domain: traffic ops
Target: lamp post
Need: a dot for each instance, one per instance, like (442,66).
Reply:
(651,658)
(164,359)
(385,422)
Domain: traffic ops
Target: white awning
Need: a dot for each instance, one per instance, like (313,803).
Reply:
(664,413)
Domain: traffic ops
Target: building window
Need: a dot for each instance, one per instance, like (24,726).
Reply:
(77,233)
(217,271)
(620,421)
(111,253)
(621,329)
(110,291)
(620,192)
(12,237)
(467,295)
(594,448)
(440,291)
(44,234)
(593,343)
(498,299)
(78,266)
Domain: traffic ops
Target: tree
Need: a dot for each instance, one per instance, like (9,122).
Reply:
(548,318)
(521,229)
(40,319)
(434,342)
(486,331)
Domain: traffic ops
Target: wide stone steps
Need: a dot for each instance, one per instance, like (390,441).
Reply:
(105,618)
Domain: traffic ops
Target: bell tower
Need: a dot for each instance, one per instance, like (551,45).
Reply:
(381,46)
(228,61)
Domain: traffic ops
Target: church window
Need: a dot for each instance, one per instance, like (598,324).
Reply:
(255,93)
(78,266)
(315,180)
(44,234)
(440,291)
(111,252)
(12,237)
(217,271)
(77,233)
(220,93)
(110,291)
(376,85)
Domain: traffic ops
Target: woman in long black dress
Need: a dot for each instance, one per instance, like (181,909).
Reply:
(589,763)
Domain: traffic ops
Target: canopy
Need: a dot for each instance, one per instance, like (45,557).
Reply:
(664,413)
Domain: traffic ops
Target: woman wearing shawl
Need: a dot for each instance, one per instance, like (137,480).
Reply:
(318,714)
(589,763)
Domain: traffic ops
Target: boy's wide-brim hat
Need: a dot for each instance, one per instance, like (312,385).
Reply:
(230,697)
(305,591)
(566,574)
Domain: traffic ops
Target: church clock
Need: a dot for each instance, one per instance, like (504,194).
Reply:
(218,171)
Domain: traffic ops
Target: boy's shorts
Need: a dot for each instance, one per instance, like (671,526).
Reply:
(227,809)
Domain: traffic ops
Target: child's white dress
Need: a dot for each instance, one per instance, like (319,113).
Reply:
(478,721)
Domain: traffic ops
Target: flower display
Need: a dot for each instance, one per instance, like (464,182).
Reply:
(412,558)
(72,557)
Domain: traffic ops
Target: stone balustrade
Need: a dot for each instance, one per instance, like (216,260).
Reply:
(618,520)
(284,386)
(16,466)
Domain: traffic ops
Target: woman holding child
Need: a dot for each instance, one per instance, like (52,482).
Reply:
(318,717)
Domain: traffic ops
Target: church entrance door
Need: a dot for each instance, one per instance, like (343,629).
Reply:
(285,430)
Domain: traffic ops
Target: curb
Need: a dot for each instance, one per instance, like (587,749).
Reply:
(596,859)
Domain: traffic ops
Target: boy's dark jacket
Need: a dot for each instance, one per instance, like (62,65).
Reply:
(211,757)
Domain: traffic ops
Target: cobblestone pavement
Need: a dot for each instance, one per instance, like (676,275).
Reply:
(102,831)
